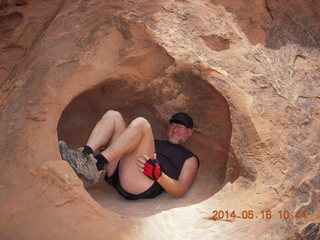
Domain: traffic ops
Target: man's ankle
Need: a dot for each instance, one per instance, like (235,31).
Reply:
(101,162)
(87,150)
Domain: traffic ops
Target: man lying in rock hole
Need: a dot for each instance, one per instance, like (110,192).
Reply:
(137,165)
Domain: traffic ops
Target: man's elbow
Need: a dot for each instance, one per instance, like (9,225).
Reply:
(181,193)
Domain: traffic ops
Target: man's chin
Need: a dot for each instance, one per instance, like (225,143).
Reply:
(173,141)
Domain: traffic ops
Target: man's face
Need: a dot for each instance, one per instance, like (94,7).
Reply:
(178,133)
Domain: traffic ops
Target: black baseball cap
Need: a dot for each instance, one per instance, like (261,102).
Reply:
(182,118)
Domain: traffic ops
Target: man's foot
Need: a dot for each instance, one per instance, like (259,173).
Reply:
(82,164)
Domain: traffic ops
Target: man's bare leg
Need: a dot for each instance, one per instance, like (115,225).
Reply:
(125,144)
(136,140)
(107,130)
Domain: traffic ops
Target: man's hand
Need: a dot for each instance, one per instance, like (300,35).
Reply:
(149,167)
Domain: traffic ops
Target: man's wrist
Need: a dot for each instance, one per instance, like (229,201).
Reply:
(160,179)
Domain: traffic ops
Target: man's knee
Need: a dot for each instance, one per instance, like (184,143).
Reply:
(113,114)
(141,123)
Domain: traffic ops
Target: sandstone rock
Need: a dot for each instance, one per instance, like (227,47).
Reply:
(248,73)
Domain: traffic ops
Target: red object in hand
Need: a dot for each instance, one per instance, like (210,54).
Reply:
(152,169)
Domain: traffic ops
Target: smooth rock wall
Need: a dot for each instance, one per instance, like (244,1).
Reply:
(247,72)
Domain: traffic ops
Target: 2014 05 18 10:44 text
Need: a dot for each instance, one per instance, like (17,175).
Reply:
(250,214)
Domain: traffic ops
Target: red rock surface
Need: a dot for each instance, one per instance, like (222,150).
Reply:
(248,73)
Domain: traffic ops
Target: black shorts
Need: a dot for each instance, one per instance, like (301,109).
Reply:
(152,192)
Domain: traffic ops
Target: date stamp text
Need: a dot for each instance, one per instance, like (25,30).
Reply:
(227,215)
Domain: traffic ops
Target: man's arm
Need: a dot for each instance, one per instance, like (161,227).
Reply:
(178,187)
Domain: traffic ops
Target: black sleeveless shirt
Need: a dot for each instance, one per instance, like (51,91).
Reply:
(171,157)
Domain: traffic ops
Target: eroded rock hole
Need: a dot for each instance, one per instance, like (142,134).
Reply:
(182,91)
(20,3)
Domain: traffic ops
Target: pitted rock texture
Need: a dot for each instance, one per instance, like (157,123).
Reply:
(248,73)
